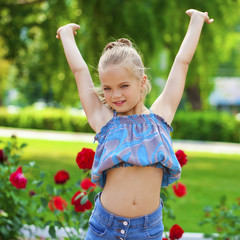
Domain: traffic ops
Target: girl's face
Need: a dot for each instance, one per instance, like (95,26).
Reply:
(121,89)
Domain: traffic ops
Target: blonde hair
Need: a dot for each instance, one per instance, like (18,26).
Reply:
(122,53)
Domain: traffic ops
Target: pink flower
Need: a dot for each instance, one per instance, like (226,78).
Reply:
(61,177)
(181,157)
(86,184)
(179,189)
(17,179)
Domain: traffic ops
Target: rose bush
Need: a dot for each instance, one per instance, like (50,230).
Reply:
(225,218)
(179,190)
(28,198)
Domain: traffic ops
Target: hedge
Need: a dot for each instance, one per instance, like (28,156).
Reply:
(207,126)
(211,126)
(48,119)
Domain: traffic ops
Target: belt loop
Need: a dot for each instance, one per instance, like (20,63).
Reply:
(162,203)
(97,196)
(145,221)
(110,220)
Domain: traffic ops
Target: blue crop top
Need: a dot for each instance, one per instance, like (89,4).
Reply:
(137,140)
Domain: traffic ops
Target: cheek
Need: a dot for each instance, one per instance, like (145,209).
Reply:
(107,95)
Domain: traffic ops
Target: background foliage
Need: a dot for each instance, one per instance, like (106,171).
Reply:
(201,125)
(34,63)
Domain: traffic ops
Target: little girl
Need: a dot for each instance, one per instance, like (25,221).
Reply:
(134,157)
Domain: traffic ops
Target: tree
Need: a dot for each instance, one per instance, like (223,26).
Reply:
(157,27)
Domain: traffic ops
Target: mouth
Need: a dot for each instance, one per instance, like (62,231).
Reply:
(119,103)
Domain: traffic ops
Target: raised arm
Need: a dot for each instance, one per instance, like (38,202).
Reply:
(88,97)
(167,103)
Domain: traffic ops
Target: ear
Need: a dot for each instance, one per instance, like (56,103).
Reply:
(144,81)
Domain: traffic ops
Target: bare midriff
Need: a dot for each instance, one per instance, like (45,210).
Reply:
(132,191)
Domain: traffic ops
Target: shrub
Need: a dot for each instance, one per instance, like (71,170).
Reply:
(225,218)
(207,126)
(48,119)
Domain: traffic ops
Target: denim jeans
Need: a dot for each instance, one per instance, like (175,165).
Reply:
(106,225)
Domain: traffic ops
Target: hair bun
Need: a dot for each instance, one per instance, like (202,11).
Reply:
(121,42)
(125,41)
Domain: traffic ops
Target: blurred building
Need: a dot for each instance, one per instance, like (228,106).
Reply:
(226,94)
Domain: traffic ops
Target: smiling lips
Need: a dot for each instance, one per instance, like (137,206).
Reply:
(119,103)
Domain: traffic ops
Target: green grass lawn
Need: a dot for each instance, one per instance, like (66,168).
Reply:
(207,176)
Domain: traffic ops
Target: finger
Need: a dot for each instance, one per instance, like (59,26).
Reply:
(210,20)
(188,12)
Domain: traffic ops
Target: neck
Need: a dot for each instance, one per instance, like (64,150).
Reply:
(137,110)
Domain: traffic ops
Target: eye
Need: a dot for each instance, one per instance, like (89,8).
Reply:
(106,89)
(124,86)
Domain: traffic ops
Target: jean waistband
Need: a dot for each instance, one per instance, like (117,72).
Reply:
(108,218)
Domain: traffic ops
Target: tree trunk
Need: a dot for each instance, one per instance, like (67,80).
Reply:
(193,97)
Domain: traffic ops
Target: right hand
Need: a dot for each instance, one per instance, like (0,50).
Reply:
(73,27)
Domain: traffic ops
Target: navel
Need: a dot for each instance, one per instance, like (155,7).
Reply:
(134,202)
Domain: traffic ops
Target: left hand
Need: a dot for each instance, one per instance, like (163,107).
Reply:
(204,15)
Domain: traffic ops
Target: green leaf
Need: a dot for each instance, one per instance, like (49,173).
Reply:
(44,202)
(58,224)
(84,199)
(52,232)
(91,197)
(207,209)
(49,189)
(39,184)
(23,145)
(47,223)
(42,174)
(78,196)
(31,164)
(66,217)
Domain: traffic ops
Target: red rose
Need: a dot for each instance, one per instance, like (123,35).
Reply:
(77,202)
(165,239)
(61,177)
(31,193)
(57,203)
(179,189)
(3,158)
(85,158)
(17,179)
(176,232)
(86,184)
(181,157)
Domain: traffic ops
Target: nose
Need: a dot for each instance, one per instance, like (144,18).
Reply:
(116,94)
